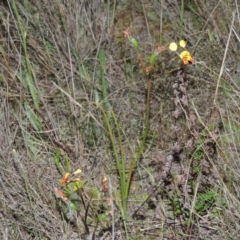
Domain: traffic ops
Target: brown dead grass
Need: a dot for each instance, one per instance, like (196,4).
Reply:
(63,39)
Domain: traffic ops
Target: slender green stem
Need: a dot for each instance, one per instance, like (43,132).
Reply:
(144,137)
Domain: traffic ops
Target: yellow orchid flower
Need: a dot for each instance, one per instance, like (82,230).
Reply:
(173,46)
(65,179)
(186,57)
(182,43)
(77,171)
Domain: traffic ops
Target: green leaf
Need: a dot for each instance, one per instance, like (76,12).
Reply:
(72,206)
(84,73)
(152,58)
(57,162)
(77,185)
(101,217)
(134,43)
(31,144)
(32,90)
(95,193)
(74,197)
(67,164)
(33,118)
(102,60)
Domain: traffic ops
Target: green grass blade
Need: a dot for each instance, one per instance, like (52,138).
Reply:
(29,78)
(32,90)
(32,117)
(57,162)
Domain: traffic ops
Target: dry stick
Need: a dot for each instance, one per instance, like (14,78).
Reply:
(236,35)
(224,57)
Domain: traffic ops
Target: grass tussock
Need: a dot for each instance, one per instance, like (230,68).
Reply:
(106,133)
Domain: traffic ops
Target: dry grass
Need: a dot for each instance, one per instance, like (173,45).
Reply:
(63,39)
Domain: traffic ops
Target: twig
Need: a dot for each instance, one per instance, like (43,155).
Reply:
(224,57)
